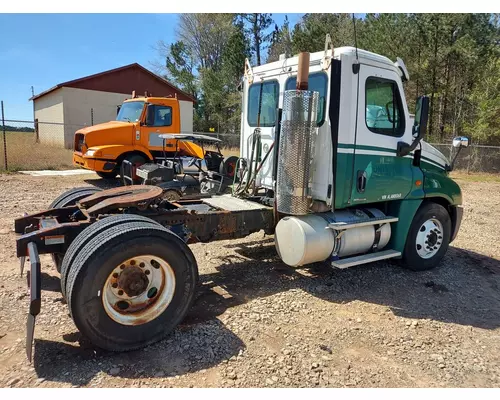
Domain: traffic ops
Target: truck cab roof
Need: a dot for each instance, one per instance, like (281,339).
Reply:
(152,99)
(364,56)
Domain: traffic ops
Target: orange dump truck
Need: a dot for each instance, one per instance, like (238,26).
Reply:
(135,136)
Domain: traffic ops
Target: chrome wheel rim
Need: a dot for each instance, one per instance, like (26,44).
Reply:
(429,238)
(138,290)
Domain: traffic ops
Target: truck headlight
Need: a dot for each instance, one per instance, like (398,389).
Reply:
(93,153)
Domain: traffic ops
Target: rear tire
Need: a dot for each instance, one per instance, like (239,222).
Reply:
(108,175)
(428,238)
(66,199)
(87,234)
(136,161)
(100,262)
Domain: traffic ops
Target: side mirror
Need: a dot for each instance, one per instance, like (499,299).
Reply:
(421,117)
(118,109)
(150,115)
(419,127)
(461,141)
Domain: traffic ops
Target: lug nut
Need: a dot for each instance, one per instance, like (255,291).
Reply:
(132,262)
(114,285)
(147,272)
(115,275)
(122,266)
(120,292)
(142,265)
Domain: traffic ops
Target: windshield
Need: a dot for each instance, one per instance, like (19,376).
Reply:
(130,112)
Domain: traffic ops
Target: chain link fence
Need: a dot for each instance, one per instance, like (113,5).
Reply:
(29,145)
(36,145)
(475,158)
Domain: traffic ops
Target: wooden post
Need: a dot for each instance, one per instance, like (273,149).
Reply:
(4,141)
(303,72)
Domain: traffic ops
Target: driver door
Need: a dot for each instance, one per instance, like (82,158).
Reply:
(382,121)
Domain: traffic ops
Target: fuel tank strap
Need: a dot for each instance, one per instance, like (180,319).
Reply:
(376,239)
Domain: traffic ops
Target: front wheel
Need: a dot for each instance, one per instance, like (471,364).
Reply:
(428,238)
(131,285)
(107,175)
(136,161)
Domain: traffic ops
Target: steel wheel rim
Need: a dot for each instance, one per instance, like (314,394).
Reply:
(429,238)
(138,290)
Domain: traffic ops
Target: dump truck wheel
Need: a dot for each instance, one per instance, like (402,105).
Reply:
(108,175)
(136,160)
(88,233)
(69,198)
(428,238)
(131,285)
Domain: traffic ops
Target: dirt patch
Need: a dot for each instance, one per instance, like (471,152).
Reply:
(257,322)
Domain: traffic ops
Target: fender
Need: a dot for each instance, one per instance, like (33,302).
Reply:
(114,151)
(437,184)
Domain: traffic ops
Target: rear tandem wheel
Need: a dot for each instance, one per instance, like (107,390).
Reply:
(66,199)
(88,233)
(131,285)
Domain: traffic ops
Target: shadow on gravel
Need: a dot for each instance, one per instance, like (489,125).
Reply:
(103,183)
(463,290)
(50,283)
(188,349)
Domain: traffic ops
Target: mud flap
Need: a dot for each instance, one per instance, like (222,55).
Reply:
(33,277)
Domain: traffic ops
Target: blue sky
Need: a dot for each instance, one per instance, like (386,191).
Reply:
(42,50)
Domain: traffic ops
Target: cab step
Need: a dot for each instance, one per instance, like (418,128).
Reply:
(365,258)
(340,226)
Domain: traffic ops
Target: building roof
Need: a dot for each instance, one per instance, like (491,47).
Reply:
(116,85)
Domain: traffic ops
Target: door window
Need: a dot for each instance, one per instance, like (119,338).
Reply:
(162,116)
(384,111)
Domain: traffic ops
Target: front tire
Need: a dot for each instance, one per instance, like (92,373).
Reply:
(136,161)
(109,290)
(107,175)
(428,238)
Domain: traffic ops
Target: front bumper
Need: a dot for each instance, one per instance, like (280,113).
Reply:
(93,164)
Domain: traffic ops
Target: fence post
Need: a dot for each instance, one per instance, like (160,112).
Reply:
(4,139)
(37,133)
(92,117)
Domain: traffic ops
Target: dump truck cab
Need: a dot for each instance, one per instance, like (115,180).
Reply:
(134,135)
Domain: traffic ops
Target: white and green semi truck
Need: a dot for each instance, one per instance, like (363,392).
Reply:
(331,163)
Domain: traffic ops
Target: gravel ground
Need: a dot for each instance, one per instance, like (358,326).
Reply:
(258,323)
